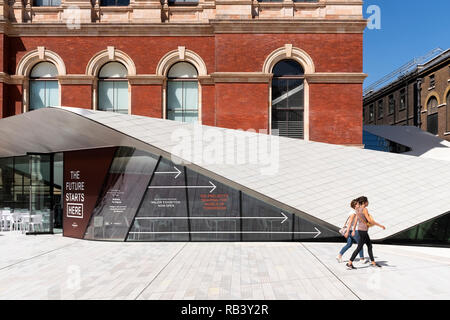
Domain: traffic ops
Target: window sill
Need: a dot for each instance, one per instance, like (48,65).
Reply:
(446,133)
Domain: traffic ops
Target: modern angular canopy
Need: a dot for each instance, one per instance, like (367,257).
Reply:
(316,179)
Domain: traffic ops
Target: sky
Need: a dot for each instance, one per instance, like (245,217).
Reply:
(409,29)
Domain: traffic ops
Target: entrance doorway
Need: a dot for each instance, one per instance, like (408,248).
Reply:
(45,193)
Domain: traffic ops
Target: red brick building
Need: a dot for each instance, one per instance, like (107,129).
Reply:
(236,52)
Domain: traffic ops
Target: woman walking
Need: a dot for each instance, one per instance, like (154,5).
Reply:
(364,222)
(350,238)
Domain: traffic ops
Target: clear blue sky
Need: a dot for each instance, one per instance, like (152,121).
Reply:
(409,29)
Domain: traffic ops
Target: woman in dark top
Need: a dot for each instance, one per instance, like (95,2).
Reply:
(364,221)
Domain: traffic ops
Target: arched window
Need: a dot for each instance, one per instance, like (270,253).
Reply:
(182,92)
(432,118)
(44,90)
(113,88)
(288,99)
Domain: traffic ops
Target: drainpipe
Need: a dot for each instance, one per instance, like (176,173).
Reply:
(419,102)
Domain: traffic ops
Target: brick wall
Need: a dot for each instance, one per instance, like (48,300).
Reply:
(146,100)
(146,55)
(330,52)
(335,114)
(242,105)
(79,96)
(335,109)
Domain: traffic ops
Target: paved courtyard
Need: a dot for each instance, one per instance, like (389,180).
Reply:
(55,267)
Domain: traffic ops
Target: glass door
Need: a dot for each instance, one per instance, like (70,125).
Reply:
(41,211)
(58,192)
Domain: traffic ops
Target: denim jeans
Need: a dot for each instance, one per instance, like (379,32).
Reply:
(350,241)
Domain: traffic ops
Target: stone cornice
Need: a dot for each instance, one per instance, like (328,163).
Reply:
(335,77)
(215,77)
(186,29)
(289,26)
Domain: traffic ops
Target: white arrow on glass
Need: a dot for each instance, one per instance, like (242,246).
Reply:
(317,232)
(177,172)
(212,186)
(283,217)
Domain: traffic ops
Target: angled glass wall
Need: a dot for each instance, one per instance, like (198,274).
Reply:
(181,204)
(435,231)
(121,195)
(163,214)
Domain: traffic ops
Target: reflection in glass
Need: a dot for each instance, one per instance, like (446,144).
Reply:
(288,99)
(435,231)
(44,88)
(163,213)
(182,93)
(123,190)
(113,88)
(41,193)
(213,211)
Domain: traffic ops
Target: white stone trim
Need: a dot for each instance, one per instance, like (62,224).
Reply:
(40,54)
(108,55)
(289,52)
(181,54)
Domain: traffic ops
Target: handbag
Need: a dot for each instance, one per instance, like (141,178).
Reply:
(343,230)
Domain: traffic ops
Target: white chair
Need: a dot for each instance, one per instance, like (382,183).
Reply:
(25,222)
(4,213)
(9,222)
(36,221)
(98,223)
(16,217)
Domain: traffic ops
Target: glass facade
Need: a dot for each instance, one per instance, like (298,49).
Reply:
(150,198)
(31,191)
(120,198)
(435,231)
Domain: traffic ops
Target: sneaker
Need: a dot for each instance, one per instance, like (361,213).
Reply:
(376,265)
(350,267)
(339,259)
(364,260)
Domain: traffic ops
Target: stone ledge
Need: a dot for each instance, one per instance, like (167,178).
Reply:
(335,77)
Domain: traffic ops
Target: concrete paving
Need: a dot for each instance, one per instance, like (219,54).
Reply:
(55,267)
